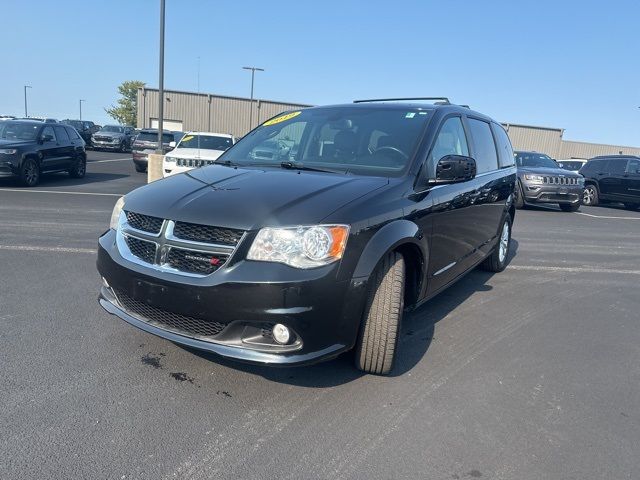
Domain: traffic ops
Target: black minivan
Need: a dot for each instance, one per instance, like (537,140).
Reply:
(614,178)
(358,212)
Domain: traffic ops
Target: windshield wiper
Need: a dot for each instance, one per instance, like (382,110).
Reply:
(300,166)
(226,163)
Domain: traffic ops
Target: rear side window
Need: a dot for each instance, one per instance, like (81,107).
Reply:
(505,150)
(451,140)
(616,166)
(485,153)
(62,135)
(633,166)
(73,135)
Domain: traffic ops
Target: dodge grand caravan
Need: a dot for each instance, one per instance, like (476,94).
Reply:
(362,211)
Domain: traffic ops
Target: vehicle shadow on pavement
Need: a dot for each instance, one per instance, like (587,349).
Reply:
(63,180)
(416,334)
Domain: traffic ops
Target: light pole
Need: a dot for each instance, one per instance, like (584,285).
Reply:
(253,73)
(80,102)
(26,113)
(161,80)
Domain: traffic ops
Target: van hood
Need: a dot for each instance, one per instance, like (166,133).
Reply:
(202,153)
(249,198)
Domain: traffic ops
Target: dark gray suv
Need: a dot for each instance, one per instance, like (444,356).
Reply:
(541,180)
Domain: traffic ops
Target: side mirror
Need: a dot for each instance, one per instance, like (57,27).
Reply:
(172,144)
(46,138)
(455,168)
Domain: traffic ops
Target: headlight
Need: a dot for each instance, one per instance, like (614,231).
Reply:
(300,247)
(9,151)
(115,215)
(170,159)
(534,178)
(581,181)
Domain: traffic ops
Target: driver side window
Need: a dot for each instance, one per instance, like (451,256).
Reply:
(49,131)
(451,140)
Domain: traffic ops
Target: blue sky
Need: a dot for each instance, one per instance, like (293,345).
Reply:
(568,64)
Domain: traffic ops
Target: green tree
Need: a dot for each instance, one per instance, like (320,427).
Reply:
(126,112)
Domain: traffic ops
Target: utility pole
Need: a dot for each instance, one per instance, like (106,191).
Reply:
(161,80)
(253,73)
(26,113)
(81,100)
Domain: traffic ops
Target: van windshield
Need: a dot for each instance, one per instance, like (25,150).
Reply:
(368,140)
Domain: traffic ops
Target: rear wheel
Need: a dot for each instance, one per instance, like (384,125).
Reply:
(569,207)
(632,206)
(29,172)
(519,195)
(590,195)
(79,168)
(378,336)
(497,261)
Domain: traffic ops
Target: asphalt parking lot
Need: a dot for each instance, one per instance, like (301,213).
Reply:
(528,374)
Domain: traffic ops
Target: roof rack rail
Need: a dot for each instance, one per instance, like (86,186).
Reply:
(444,100)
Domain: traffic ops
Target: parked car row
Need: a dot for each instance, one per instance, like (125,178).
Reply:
(146,142)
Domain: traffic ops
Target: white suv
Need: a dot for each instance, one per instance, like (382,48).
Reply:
(195,149)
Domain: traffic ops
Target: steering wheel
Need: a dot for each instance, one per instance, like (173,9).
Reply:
(395,150)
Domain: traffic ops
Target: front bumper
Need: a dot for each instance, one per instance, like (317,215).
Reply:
(244,297)
(7,169)
(536,193)
(170,168)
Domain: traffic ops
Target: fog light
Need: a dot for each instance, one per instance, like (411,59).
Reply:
(281,334)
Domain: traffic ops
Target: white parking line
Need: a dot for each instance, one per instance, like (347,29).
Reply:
(25,190)
(35,248)
(544,268)
(110,160)
(607,217)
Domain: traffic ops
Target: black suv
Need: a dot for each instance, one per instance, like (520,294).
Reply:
(85,128)
(613,178)
(30,148)
(362,211)
(542,180)
(146,142)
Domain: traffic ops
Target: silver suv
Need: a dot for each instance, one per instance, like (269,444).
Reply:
(541,180)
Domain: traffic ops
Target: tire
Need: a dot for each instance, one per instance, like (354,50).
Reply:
(519,196)
(123,147)
(590,196)
(140,168)
(378,336)
(79,168)
(569,207)
(30,172)
(497,260)
(632,206)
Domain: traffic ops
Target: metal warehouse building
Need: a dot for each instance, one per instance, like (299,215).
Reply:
(186,111)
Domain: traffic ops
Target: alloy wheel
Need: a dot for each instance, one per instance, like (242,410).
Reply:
(588,195)
(504,243)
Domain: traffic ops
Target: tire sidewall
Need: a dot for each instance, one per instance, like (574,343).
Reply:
(25,164)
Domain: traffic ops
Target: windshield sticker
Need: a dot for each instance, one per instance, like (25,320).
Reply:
(187,138)
(282,118)
(410,115)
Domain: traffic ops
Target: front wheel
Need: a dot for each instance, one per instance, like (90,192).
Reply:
(30,172)
(140,168)
(123,147)
(378,336)
(590,196)
(569,207)
(497,261)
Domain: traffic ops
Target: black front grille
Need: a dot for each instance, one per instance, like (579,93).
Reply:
(145,223)
(189,326)
(207,234)
(194,262)
(142,249)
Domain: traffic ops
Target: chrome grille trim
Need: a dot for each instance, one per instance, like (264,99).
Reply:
(164,241)
(560,180)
